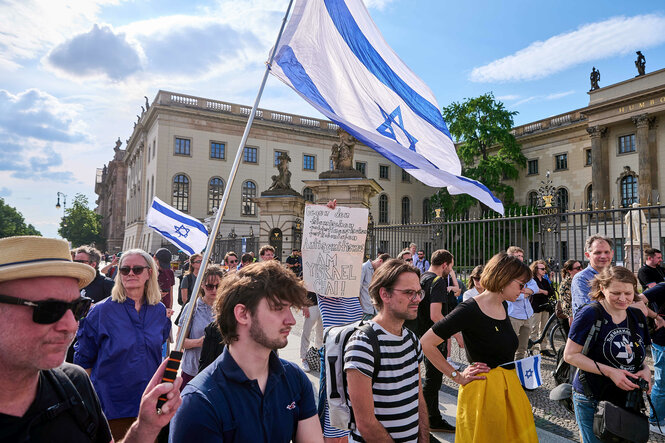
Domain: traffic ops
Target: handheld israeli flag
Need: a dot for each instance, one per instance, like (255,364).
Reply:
(333,55)
(528,371)
(181,229)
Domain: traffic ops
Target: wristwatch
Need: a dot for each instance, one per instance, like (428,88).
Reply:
(453,375)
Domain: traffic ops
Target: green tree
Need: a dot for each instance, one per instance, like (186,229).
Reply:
(81,225)
(488,151)
(12,222)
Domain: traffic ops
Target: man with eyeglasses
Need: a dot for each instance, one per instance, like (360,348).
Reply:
(389,406)
(421,262)
(42,398)
(231,261)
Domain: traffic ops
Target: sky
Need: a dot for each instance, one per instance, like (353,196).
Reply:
(73,74)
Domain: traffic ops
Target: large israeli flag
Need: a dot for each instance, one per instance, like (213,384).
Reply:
(528,371)
(181,229)
(333,55)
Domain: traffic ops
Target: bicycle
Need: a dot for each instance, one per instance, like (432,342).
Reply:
(554,332)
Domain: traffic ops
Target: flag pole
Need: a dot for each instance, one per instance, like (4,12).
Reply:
(176,354)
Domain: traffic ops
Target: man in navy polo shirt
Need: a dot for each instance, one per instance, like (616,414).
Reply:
(248,393)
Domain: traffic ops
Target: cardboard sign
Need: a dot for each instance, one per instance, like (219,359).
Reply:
(333,248)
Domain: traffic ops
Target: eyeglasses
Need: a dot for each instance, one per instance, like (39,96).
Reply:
(197,261)
(211,287)
(137,270)
(82,261)
(47,312)
(577,268)
(411,293)
(522,285)
(233,262)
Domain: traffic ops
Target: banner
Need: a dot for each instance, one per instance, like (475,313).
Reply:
(333,249)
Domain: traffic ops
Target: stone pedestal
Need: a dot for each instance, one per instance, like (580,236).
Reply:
(351,192)
(633,255)
(280,218)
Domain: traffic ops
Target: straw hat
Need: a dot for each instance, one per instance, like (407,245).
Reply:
(31,256)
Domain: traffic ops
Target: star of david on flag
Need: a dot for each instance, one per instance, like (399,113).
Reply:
(528,371)
(183,230)
(333,55)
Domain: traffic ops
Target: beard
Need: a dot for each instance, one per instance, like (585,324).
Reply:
(257,334)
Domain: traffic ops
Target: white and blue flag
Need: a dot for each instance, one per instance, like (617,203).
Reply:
(528,371)
(181,229)
(333,55)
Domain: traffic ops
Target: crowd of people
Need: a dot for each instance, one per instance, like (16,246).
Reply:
(114,328)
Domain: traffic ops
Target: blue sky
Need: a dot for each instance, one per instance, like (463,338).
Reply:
(73,74)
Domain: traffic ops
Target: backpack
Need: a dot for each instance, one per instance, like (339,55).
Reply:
(423,308)
(334,342)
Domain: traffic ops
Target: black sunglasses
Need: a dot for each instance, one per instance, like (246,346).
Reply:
(137,270)
(47,312)
(211,287)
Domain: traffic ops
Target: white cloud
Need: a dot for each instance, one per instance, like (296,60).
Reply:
(558,95)
(540,98)
(508,97)
(594,41)
(377,4)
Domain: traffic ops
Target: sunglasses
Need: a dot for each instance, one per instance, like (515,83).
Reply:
(577,268)
(409,259)
(50,311)
(82,261)
(541,269)
(137,270)
(197,261)
(231,262)
(211,287)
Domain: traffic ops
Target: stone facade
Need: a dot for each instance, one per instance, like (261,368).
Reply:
(179,137)
(111,187)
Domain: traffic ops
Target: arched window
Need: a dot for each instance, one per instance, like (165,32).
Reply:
(562,195)
(406,210)
(383,208)
(532,199)
(248,192)
(308,194)
(215,191)
(427,211)
(180,198)
(628,190)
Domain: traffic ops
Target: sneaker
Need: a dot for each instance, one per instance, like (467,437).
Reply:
(547,353)
(454,364)
(656,430)
(305,366)
(441,425)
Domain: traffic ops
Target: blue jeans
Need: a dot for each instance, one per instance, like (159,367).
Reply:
(584,410)
(658,388)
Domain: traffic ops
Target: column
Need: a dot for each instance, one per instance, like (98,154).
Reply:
(644,182)
(599,167)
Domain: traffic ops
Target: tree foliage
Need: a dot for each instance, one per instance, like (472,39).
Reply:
(488,151)
(81,225)
(12,222)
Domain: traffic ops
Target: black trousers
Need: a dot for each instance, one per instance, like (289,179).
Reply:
(432,385)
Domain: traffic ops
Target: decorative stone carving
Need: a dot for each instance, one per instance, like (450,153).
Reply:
(118,143)
(342,157)
(281,183)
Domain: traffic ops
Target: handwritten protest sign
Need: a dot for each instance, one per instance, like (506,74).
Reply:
(332,249)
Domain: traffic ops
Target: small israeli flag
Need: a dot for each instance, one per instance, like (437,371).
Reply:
(181,229)
(528,371)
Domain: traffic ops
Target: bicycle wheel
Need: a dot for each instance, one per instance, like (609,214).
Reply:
(557,337)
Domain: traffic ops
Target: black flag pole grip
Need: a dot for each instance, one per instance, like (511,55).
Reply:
(170,373)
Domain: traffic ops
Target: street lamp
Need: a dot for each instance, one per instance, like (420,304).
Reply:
(64,200)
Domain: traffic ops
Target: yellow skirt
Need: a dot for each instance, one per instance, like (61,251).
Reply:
(494,410)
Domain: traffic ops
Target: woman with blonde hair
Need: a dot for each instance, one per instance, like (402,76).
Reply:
(491,404)
(120,340)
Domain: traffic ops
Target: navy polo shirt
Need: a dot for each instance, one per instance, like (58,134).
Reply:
(222,404)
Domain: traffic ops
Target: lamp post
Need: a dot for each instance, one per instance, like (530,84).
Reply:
(64,201)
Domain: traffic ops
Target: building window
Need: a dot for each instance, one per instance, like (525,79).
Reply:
(308,194)
(406,210)
(250,155)
(182,146)
(248,192)
(562,196)
(215,191)
(309,162)
(383,208)
(560,162)
(275,161)
(406,178)
(532,167)
(362,167)
(532,199)
(627,143)
(427,211)
(154,148)
(618,249)
(384,172)
(628,190)
(587,157)
(331,166)
(180,198)
(217,150)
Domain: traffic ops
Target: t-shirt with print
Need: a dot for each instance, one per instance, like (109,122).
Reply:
(395,391)
(612,346)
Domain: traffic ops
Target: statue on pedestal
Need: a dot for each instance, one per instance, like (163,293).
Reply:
(636,223)
(640,63)
(118,143)
(342,152)
(282,181)
(595,78)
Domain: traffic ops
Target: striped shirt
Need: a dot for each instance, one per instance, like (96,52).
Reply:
(395,391)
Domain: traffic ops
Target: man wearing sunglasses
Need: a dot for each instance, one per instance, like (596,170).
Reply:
(42,398)
(231,261)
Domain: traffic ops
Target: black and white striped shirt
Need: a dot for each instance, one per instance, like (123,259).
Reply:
(395,391)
